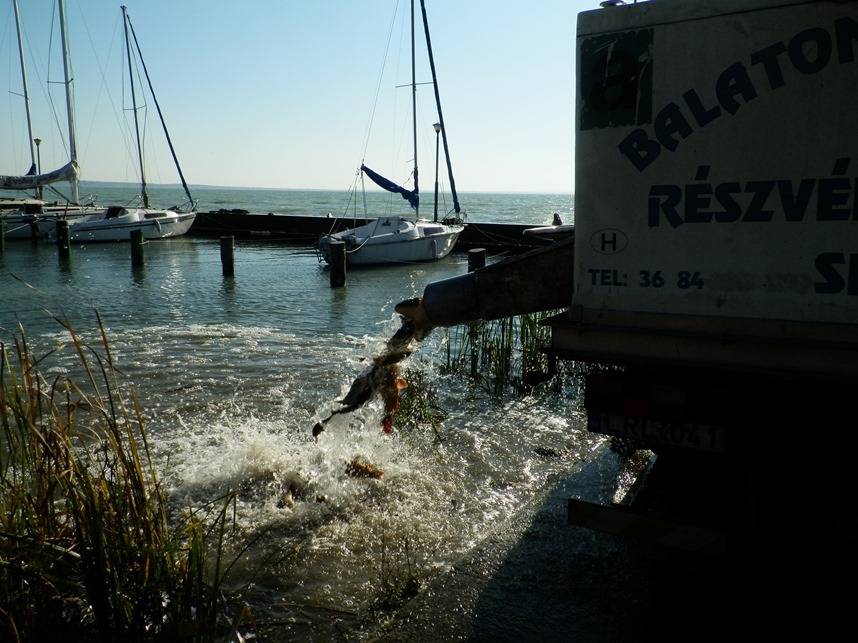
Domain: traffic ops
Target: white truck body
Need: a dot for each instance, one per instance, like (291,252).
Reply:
(716,185)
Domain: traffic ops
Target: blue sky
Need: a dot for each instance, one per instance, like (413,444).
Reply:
(279,94)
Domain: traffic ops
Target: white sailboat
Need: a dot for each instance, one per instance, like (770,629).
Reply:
(20,214)
(116,223)
(399,239)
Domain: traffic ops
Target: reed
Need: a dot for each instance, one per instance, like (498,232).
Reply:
(86,544)
(502,356)
(418,404)
(399,578)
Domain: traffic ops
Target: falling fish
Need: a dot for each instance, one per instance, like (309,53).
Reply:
(383,374)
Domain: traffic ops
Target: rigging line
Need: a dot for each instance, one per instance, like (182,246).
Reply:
(351,193)
(143,106)
(104,85)
(438,105)
(161,116)
(6,30)
(380,78)
(58,193)
(129,136)
(46,87)
(393,124)
(13,126)
(134,106)
(363,189)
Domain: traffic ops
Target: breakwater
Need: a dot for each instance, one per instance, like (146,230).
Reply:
(306,230)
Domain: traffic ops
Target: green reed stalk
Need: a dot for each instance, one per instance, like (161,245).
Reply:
(504,355)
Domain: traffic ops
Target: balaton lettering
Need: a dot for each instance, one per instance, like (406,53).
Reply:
(761,201)
(809,52)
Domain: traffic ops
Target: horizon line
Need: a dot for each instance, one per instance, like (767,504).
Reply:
(283,189)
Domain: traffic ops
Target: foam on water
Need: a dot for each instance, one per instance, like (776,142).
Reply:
(433,504)
(232,379)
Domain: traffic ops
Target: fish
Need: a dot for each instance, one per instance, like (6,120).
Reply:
(383,374)
(361,468)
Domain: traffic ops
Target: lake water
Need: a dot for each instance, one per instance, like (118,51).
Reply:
(234,373)
(478,206)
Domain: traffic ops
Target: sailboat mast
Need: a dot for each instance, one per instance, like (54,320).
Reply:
(414,110)
(69,99)
(438,104)
(134,107)
(160,114)
(26,93)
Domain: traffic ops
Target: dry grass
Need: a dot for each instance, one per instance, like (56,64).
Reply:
(86,544)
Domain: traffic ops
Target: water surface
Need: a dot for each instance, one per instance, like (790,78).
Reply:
(233,374)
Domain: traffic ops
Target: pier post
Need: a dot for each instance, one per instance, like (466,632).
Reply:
(34,231)
(338,263)
(63,245)
(227,255)
(476,259)
(137,258)
(2,237)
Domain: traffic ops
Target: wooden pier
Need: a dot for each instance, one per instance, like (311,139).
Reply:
(306,230)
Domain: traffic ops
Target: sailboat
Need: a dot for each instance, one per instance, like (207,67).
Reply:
(400,239)
(21,214)
(116,223)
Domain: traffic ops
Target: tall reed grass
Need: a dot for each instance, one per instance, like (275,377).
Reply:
(87,548)
(502,356)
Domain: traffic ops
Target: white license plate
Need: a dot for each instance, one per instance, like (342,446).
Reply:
(691,435)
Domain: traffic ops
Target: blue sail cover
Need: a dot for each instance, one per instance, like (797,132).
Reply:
(411,196)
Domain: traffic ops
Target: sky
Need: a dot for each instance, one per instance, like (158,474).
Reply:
(280,94)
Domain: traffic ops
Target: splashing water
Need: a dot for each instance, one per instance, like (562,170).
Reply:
(231,381)
(383,373)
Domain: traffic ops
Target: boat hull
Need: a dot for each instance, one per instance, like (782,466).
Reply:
(98,228)
(393,249)
(19,224)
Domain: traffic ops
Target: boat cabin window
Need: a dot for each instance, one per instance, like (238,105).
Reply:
(33,208)
(427,230)
(113,211)
(153,215)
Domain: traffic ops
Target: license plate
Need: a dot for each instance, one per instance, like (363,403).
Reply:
(691,435)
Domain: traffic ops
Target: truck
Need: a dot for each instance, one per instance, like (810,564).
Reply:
(716,216)
(712,282)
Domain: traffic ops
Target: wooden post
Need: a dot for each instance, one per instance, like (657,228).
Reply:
(63,245)
(338,263)
(476,259)
(227,255)
(34,231)
(137,258)
(2,237)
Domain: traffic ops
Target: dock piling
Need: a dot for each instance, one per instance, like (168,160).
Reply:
(2,237)
(476,259)
(338,264)
(34,231)
(63,245)
(227,255)
(137,258)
